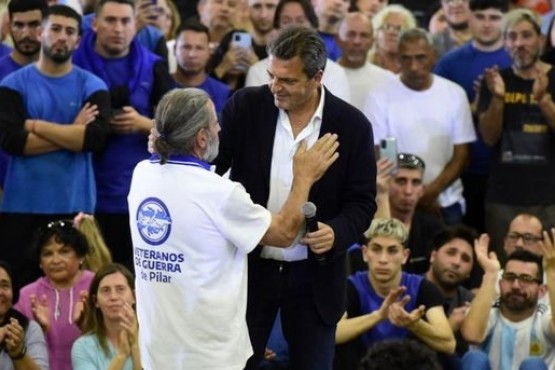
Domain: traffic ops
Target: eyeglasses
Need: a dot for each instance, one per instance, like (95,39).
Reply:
(527,238)
(523,279)
(410,161)
(391,28)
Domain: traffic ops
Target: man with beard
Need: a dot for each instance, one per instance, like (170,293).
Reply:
(192,231)
(52,116)
(451,263)
(25,28)
(457,33)
(137,80)
(516,331)
(192,52)
(464,66)
(517,119)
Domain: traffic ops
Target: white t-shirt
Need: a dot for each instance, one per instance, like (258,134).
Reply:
(192,231)
(426,123)
(334,78)
(530,337)
(366,80)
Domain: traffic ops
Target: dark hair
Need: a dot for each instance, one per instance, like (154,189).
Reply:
(193,25)
(307,8)
(64,233)
(64,11)
(523,255)
(399,354)
(501,5)
(302,42)
(4,265)
(22,319)
(101,4)
(21,6)
(449,233)
(94,322)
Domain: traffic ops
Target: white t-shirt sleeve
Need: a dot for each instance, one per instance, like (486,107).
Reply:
(257,74)
(463,129)
(243,222)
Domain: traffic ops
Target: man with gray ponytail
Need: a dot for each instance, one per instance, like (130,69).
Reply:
(192,231)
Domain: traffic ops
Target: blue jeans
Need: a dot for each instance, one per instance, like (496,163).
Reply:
(478,360)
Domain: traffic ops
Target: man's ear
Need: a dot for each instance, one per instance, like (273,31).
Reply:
(364,250)
(542,291)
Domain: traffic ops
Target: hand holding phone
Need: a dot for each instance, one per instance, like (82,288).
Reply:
(388,149)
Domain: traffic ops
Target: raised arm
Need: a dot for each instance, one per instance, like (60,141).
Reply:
(548,251)
(490,120)
(308,166)
(474,326)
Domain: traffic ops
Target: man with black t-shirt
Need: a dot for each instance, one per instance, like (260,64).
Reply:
(517,118)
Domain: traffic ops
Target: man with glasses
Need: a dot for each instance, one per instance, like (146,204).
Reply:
(517,331)
(457,14)
(517,119)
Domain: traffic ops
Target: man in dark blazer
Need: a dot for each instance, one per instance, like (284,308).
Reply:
(261,127)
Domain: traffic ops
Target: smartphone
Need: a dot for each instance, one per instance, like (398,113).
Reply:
(241,39)
(388,149)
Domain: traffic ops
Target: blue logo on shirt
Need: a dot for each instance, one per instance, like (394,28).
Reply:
(153,221)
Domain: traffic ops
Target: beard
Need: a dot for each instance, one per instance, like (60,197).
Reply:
(518,302)
(445,282)
(212,148)
(28,52)
(57,57)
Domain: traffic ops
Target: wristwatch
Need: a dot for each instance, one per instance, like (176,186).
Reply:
(21,354)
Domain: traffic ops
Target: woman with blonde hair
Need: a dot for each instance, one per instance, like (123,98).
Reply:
(388,24)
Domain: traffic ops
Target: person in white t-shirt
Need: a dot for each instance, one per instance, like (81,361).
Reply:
(192,231)
(355,38)
(516,331)
(430,117)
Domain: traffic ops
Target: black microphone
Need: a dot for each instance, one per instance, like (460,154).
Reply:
(309,212)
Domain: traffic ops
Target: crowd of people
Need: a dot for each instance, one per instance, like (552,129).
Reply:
(440,255)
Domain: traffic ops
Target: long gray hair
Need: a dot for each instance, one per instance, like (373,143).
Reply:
(179,116)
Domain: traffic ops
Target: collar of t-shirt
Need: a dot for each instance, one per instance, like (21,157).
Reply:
(281,174)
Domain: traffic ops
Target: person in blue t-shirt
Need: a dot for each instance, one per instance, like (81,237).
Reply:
(25,28)
(464,66)
(52,116)
(330,15)
(137,79)
(386,303)
(192,52)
